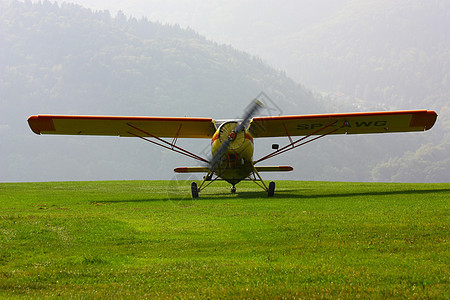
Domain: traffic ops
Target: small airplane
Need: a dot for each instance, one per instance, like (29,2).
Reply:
(232,140)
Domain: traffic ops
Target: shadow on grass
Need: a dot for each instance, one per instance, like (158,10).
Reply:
(202,197)
(282,194)
(376,193)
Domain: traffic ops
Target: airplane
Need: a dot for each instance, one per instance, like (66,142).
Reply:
(232,141)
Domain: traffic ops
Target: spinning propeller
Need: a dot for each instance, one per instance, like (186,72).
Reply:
(250,111)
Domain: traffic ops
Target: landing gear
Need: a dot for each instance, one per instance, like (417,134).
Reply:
(271,190)
(194,190)
(233,189)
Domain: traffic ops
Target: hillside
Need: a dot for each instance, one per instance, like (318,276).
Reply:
(390,52)
(375,54)
(75,53)
(71,60)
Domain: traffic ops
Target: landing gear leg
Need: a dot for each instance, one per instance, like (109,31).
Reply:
(271,190)
(233,189)
(194,190)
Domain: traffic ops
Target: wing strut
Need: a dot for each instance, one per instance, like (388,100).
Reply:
(289,136)
(171,146)
(209,178)
(263,185)
(175,139)
(293,145)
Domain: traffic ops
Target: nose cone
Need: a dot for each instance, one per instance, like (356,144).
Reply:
(227,133)
(232,136)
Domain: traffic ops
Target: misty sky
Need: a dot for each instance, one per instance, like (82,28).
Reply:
(249,25)
(373,54)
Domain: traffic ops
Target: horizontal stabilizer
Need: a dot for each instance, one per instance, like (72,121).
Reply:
(275,169)
(259,169)
(191,170)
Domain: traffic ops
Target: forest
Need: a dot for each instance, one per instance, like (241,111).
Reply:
(382,55)
(67,59)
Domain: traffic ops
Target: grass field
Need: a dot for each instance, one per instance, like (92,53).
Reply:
(149,239)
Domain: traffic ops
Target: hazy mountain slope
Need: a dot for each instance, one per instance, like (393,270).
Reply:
(68,59)
(74,47)
(393,54)
(250,25)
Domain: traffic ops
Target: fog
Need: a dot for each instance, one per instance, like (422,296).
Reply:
(307,56)
(252,26)
(316,42)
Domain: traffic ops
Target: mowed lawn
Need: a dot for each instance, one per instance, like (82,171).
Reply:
(143,239)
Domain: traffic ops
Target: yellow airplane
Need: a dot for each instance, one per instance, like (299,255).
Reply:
(232,141)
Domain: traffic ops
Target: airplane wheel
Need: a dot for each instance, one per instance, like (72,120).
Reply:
(271,191)
(233,189)
(194,190)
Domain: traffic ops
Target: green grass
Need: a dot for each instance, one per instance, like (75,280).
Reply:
(149,239)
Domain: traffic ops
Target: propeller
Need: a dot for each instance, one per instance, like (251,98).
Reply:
(250,111)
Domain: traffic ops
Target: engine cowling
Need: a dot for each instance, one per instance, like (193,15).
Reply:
(240,149)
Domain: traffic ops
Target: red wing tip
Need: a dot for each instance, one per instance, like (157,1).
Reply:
(39,124)
(425,119)
(286,168)
(431,117)
(180,170)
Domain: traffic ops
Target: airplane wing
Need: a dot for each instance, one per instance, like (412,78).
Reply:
(349,123)
(162,127)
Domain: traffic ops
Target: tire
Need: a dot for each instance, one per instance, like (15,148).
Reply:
(194,190)
(271,191)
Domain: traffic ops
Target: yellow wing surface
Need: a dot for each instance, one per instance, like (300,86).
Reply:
(123,126)
(351,123)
